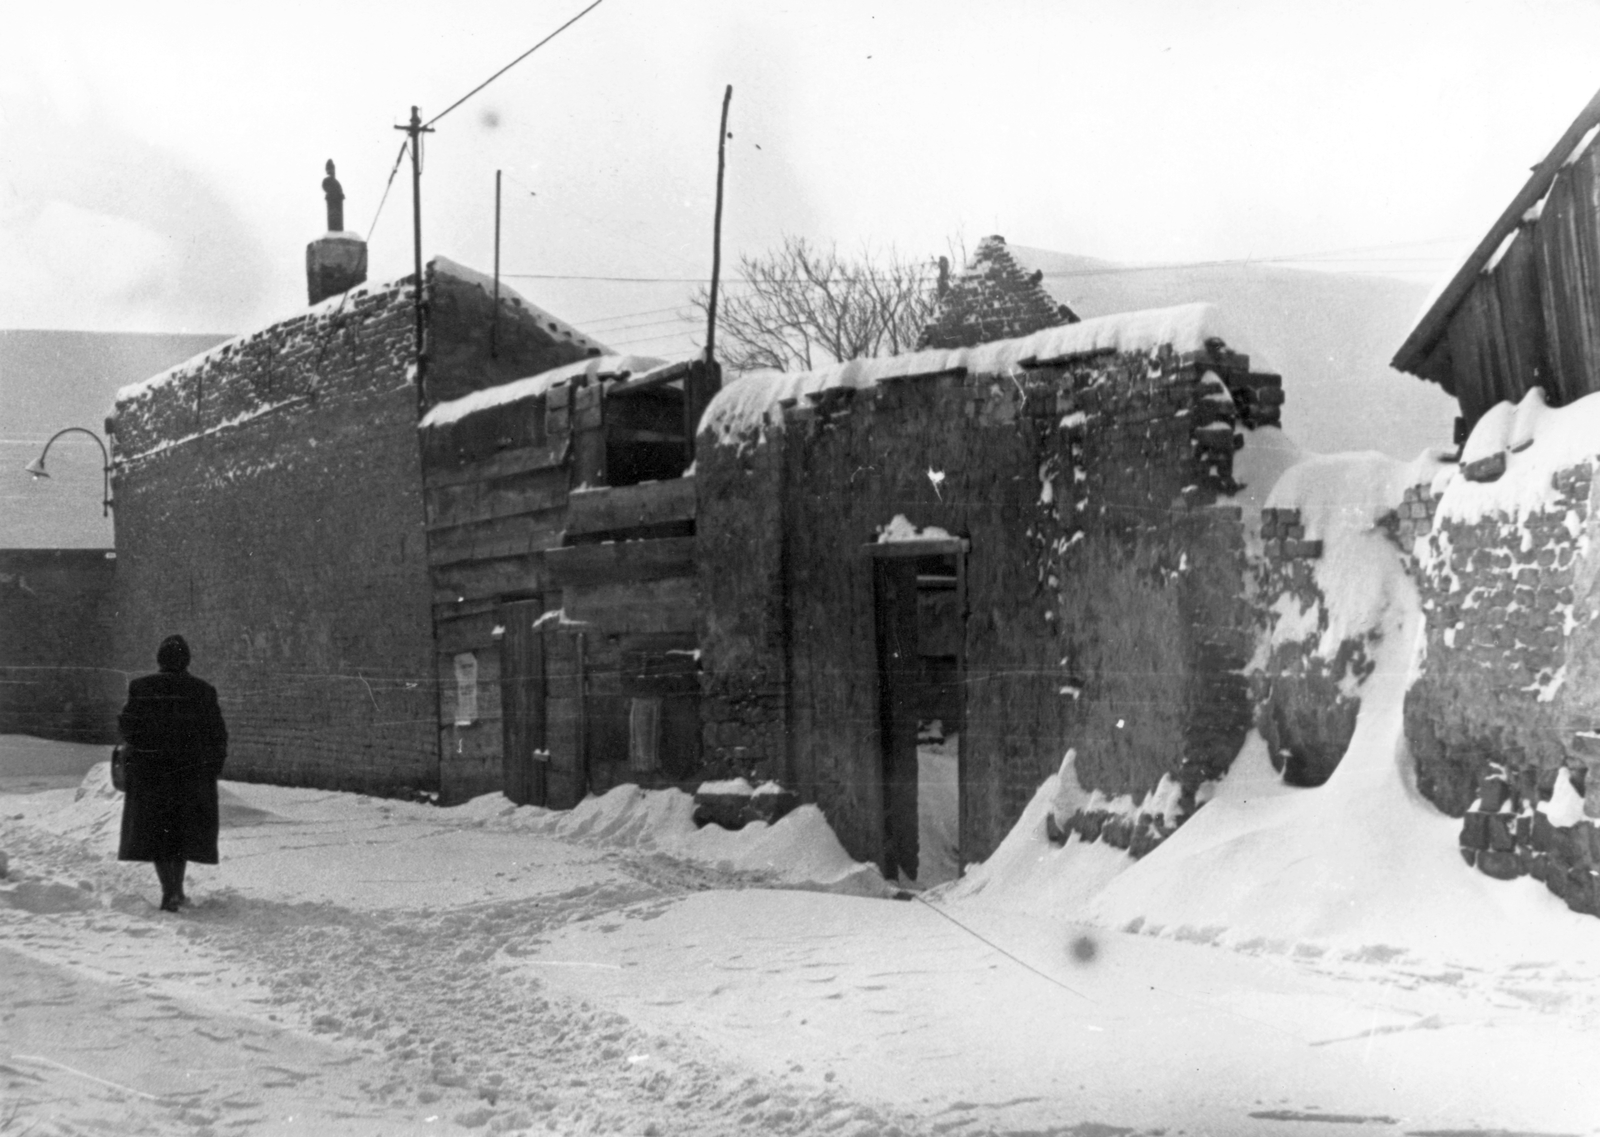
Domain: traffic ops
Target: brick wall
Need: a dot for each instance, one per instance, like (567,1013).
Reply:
(1506,706)
(56,619)
(1301,688)
(269,508)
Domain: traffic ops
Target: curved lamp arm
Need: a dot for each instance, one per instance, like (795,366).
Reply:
(36,467)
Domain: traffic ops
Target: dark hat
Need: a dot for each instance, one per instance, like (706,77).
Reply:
(173,654)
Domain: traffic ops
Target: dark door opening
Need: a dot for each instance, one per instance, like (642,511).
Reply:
(919,597)
(522,701)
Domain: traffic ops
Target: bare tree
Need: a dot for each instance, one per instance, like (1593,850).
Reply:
(797,307)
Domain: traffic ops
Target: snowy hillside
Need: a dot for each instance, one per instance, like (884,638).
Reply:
(1331,336)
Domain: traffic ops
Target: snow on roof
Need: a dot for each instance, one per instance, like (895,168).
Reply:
(325,308)
(320,310)
(747,403)
(1499,254)
(607,366)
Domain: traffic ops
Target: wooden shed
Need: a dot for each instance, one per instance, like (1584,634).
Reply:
(1523,311)
(561,521)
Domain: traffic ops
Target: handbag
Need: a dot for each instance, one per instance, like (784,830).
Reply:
(119,767)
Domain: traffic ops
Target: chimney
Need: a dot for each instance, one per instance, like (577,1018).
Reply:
(337,261)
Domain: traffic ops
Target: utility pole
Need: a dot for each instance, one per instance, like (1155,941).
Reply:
(414,131)
(494,324)
(716,233)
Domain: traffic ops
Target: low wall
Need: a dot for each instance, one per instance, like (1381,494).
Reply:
(1504,720)
(56,621)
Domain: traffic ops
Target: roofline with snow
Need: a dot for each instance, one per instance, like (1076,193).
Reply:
(1434,322)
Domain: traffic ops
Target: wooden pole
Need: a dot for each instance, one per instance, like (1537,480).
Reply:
(716,232)
(494,325)
(414,131)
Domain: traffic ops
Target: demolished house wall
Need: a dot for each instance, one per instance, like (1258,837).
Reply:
(269,500)
(1103,581)
(1504,713)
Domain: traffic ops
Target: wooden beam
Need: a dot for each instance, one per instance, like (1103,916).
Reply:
(502,465)
(659,378)
(475,580)
(508,537)
(921,547)
(630,507)
(491,500)
(1414,352)
(669,605)
(618,562)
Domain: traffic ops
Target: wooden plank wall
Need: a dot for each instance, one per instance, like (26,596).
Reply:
(1534,321)
(495,490)
(517,508)
(636,597)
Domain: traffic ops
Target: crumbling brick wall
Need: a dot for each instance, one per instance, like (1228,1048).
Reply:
(1506,699)
(1104,582)
(56,615)
(1302,687)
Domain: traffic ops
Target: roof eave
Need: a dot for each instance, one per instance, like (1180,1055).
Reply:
(1414,351)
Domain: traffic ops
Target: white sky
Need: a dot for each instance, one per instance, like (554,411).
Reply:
(161,161)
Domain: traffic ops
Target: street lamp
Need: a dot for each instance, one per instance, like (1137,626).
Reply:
(36,467)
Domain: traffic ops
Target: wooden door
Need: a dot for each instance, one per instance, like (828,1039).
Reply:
(899,674)
(567,723)
(522,701)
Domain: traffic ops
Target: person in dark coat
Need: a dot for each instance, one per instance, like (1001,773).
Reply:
(176,744)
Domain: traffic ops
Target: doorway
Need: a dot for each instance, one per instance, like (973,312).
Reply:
(522,701)
(919,595)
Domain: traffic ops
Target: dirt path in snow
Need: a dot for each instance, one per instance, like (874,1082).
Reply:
(421,1020)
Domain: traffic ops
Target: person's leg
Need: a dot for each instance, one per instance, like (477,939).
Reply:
(167,874)
(179,867)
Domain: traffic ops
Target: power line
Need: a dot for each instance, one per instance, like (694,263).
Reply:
(1328,255)
(631,315)
(386,186)
(514,62)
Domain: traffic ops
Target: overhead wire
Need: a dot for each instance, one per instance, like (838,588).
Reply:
(513,63)
(1327,255)
(386,187)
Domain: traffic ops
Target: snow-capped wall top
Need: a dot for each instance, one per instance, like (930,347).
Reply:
(1539,442)
(326,308)
(606,366)
(318,311)
(749,402)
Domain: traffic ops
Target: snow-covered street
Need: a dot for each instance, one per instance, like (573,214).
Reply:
(362,966)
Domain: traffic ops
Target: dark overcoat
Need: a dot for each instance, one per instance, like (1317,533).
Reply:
(176,746)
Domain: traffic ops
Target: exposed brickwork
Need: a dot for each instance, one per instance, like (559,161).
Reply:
(269,509)
(1498,597)
(992,299)
(269,501)
(1303,688)
(1504,708)
(56,617)
(1104,581)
